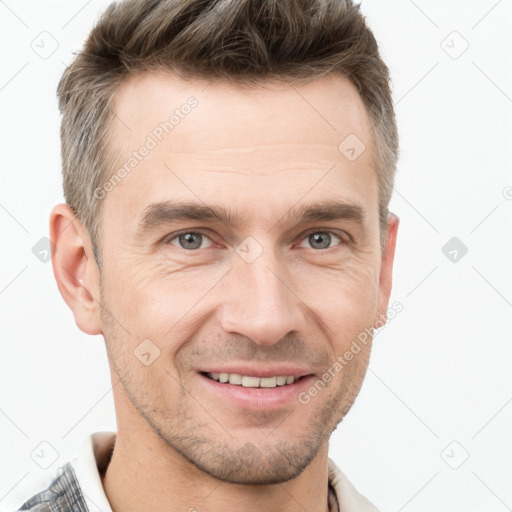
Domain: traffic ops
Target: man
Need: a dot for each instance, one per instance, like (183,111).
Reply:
(228,166)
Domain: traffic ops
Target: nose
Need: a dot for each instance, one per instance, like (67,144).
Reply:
(259,301)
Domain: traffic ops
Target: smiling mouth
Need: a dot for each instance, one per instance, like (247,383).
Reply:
(248,381)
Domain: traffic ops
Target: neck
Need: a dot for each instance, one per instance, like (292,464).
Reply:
(147,474)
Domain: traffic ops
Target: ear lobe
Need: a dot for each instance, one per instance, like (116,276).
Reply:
(386,270)
(75,268)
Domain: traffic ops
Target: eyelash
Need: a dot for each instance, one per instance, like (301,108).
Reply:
(344,240)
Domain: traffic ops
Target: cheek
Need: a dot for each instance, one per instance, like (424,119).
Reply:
(163,301)
(345,296)
(166,294)
(359,291)
(143,283)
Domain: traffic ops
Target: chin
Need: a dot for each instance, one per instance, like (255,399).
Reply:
(249,466)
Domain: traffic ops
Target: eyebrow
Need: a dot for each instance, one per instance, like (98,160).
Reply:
(164,212)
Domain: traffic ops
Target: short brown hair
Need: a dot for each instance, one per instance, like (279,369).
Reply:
(244,41)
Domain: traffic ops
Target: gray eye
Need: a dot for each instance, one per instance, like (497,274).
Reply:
(190,240)
(320,240)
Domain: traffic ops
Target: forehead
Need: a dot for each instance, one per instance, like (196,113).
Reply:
(322,111)
(254,147)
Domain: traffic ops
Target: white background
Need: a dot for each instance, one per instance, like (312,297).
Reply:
(440,371)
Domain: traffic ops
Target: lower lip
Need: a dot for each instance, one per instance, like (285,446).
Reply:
(257,399)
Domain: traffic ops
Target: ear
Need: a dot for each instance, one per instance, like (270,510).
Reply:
(75,268)
(386,269)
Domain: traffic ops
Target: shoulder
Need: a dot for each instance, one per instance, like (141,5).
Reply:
(63,494)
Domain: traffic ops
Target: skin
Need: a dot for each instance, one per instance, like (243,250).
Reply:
(259,153)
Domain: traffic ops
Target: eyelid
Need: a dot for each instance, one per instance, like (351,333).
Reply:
(344,237)
(169,238)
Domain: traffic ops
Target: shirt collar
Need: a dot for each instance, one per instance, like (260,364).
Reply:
(94,456)
(96,450)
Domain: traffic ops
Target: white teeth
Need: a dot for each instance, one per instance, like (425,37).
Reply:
(268,382)
(248,381)
(235,378)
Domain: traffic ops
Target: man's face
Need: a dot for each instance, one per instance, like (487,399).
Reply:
(263,293)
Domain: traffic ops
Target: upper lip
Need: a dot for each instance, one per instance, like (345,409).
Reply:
(258,371)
